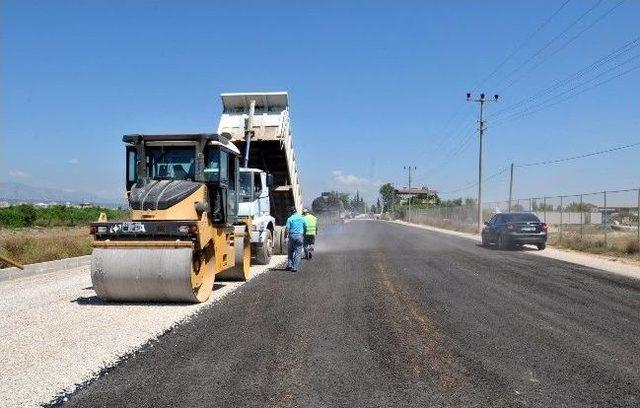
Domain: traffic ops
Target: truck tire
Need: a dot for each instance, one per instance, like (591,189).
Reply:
(280,247)
(265,249)
(277,244)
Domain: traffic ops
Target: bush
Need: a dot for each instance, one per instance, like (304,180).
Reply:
(18,216)
(24,215)
(632,247)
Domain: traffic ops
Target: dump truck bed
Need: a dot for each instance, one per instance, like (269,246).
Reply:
(271,145)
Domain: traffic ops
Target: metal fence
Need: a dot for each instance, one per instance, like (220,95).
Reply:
(608,220)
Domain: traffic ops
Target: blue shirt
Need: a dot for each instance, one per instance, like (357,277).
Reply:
(296,224)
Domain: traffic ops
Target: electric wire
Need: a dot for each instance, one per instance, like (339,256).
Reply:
(627,47)
(582,156)
(523,44)
(531,111)
(591,25)
(549,43)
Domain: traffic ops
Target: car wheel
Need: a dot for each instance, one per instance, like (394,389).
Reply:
(541,247)
(502,244)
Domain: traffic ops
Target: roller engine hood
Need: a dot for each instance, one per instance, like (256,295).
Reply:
(160,194)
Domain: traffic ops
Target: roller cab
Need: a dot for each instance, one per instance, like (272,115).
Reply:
(184,228)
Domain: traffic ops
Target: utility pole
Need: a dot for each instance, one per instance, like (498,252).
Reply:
(409,168)
(511,187)
(481,128)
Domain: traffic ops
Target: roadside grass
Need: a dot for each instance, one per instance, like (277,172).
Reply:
(31,245)
(624,245)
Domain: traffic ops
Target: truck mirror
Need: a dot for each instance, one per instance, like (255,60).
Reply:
(269,180)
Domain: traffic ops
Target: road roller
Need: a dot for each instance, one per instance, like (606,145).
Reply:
(184,228)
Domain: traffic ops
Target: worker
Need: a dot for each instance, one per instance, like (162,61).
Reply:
(310,233)
(295,229)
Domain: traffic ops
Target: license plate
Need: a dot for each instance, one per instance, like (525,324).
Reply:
(128,228)
(528,229)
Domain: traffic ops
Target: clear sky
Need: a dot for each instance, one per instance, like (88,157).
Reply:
(374,86)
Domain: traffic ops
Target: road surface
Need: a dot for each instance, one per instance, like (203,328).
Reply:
(390,315)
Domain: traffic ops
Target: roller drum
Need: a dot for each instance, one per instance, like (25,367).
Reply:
(144,274)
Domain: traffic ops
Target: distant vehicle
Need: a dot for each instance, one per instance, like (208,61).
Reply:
(329,208)
(507,230)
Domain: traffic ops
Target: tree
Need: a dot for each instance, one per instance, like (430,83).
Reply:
(542,207)
(579,207)
(389,197)
(357,204)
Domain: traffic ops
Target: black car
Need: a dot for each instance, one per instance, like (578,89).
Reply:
(514,229)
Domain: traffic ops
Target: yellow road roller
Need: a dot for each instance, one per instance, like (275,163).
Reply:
(184,229)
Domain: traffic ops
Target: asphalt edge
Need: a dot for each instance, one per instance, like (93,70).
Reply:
(574,257)
(68,392)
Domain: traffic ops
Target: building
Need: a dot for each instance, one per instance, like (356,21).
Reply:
(421,195)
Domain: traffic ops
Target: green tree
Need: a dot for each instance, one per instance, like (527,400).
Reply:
(389,197)
(579,207)
(357,204)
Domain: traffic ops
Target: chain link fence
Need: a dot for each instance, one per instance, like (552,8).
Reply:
(606,221)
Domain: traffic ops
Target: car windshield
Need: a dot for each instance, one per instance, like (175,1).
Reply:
(524,217)
(171,162)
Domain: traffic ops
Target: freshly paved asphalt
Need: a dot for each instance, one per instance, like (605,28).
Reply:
(389,315)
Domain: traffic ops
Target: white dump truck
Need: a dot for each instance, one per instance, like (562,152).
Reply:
(258,124)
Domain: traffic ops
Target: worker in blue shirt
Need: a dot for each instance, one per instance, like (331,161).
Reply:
(295,229)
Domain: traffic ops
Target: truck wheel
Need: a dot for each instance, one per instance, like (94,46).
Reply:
(265,249)
(283,242)
(277,241)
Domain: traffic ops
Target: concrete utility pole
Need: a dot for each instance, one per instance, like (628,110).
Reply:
(481,130)
(511,187)
(409,168)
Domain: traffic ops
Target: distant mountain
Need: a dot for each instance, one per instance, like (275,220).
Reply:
(21,192)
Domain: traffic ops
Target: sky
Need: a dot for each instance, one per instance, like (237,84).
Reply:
(374,87)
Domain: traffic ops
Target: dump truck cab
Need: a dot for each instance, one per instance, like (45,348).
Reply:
(255,204)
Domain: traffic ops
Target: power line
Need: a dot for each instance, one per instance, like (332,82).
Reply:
(530,111)
(548,44)
(523,44)
(542,163)
(580,85)
(582,156)
(471,185)
(442,142)
(628,46)
(593,23)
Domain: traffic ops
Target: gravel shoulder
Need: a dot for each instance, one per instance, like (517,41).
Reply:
(57,334)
